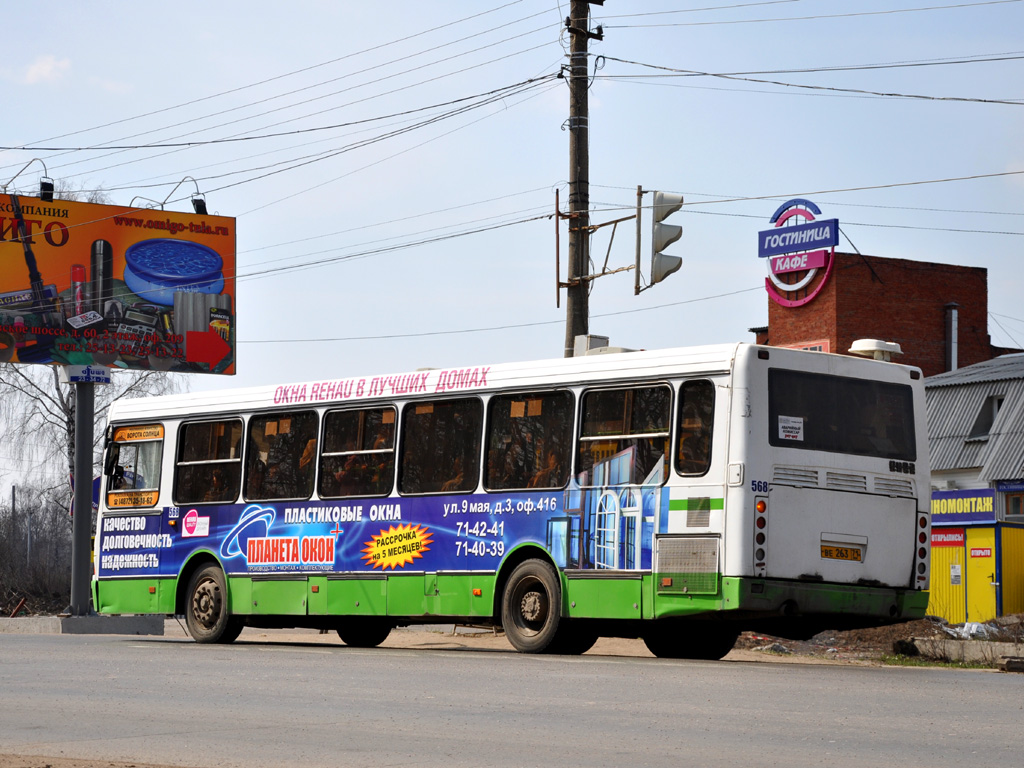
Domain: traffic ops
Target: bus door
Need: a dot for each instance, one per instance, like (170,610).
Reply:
(691,511)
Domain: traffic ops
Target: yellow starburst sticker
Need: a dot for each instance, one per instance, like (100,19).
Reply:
(397,547)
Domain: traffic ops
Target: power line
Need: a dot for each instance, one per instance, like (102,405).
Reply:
(810,18)
(513,326)
(297,131)
(305,160)
(380,160)
(693,73)
(843,203)
(699,10)
(290,74)
(993,316)
(384,249)
(319,112)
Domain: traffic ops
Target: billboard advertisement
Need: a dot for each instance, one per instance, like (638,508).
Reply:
(142,289)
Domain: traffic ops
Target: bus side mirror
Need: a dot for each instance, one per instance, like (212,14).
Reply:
(113,454)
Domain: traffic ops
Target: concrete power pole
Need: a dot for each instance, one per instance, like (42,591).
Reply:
(577,312)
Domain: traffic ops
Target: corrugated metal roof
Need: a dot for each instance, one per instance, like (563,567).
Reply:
(997,369)
(1004,459)
(954,402)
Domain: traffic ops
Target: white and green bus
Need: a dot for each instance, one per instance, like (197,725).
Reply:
(680,496)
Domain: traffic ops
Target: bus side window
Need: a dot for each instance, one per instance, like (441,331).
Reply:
(209,462)
(440,451)
(696,417)
(529,441)
(358,457)
(133,466)
(279,458)
(624,436)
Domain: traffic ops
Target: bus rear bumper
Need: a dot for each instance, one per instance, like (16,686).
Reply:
(800,609)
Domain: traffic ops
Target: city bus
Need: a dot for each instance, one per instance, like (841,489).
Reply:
(679,496)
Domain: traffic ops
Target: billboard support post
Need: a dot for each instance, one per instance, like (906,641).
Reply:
(82,523)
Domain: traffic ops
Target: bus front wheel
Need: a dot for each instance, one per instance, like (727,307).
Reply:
(531,607)
(206,615)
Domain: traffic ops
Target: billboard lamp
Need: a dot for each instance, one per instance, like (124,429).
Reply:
(45,182)
(198,201)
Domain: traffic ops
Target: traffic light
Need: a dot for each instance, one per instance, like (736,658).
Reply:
(663,235)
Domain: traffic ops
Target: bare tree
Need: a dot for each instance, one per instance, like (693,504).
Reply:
(37,432)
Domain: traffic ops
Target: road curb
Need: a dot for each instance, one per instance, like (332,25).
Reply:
(83,625)
(970,651)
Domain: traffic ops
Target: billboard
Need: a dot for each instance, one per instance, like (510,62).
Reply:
(143,289)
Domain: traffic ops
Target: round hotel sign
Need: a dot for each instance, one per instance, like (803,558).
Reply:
(800,250)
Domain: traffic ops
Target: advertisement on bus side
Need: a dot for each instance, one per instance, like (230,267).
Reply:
(582,528)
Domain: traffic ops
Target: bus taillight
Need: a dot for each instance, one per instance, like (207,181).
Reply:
(922,552)
(760,536)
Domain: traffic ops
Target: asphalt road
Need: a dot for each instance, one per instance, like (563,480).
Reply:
(306,703)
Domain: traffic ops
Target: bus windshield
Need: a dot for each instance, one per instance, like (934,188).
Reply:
(837,414)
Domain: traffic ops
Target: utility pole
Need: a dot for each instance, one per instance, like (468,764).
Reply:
(81,526)
(577,311)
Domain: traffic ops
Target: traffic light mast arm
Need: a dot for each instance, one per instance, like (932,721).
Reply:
(589,229)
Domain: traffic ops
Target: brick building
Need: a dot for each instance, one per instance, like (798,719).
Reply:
(938,313)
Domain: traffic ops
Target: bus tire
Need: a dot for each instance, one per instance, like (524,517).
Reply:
(206,614)
(573,640)
(690,641)
(364,633)
(531,607)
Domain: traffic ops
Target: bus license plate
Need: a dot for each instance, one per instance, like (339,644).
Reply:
(840,553)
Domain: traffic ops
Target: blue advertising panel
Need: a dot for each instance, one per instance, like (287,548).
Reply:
(610,527)
(959,507)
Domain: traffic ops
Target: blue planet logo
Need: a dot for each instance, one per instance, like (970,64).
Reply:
(254,523)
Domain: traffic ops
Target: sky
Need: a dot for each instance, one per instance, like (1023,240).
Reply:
(393,168)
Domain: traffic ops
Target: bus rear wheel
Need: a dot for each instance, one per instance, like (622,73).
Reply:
(364,633)
(573,640)
(531,607)
(206,614)
(690,641)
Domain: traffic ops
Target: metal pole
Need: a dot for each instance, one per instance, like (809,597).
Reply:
(81,573)
(577,312)
(636,270)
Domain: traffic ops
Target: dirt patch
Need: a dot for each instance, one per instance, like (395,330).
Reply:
(875,642)
(17,761)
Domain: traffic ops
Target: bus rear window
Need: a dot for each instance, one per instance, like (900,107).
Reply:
(839,414)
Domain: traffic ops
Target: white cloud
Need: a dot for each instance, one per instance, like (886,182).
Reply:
(46,69)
